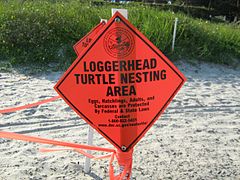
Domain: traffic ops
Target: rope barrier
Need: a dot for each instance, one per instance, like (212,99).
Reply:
(124,158)
(16,136)
(9,110)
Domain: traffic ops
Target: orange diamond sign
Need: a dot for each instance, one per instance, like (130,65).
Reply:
(83,43)
(120,83)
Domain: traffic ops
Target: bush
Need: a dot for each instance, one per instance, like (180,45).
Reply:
(217,43)
(45,31)
(42,31)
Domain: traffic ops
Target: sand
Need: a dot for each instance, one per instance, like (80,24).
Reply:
(198,136)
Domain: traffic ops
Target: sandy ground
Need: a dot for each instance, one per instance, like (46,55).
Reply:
(198,136)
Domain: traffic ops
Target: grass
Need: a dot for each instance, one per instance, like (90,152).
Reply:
(43,32)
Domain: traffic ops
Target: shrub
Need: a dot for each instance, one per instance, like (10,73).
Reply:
(45,31)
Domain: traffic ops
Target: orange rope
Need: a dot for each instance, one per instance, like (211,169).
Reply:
(9,110)
(10,135)
(78,150)
(124,158)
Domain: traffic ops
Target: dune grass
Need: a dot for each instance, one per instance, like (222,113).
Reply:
(44,31)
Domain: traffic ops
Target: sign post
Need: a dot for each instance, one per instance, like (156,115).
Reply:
(120,84)
(174,33)
(124,158)
(89,142)
(78,47)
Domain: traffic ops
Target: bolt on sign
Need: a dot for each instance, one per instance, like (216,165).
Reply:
(120,83)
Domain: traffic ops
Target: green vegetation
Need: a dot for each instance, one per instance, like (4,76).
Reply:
(45,31)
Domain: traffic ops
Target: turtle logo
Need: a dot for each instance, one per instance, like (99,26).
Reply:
(119,42)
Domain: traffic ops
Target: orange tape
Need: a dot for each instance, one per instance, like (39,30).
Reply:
(78,150)
(124,158)
(10,135)
(9,110)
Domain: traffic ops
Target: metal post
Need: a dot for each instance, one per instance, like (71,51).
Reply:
(174,33)
(89,142)
(124,12)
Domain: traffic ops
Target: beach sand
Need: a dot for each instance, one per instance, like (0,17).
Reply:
(197,137)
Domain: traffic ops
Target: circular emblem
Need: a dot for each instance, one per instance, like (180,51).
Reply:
(119,43)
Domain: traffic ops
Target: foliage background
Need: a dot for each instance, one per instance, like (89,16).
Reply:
(44,32)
